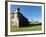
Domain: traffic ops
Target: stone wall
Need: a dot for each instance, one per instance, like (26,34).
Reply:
(14,19)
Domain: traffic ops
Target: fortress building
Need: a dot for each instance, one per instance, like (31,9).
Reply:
(18,19)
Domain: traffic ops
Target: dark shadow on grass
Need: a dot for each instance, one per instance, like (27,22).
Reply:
(30,25)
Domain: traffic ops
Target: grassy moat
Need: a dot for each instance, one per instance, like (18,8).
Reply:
(29,28)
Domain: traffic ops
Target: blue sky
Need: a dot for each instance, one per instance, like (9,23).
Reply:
(30,12)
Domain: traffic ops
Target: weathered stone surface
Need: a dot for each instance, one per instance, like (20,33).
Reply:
(14,19)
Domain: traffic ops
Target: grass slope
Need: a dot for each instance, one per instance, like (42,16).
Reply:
(30,28)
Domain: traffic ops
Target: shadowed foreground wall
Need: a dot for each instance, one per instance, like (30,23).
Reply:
(23,21)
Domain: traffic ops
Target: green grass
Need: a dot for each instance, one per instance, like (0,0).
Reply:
(30,28)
